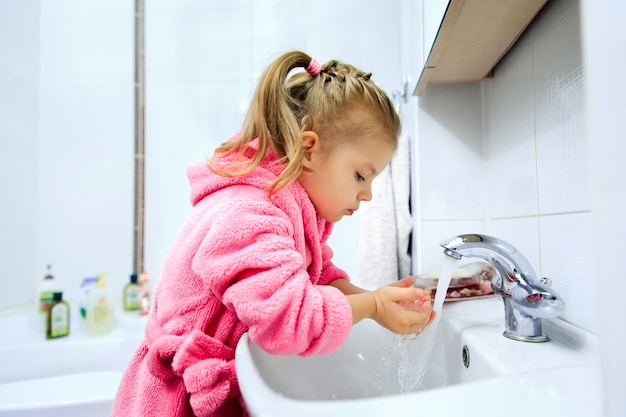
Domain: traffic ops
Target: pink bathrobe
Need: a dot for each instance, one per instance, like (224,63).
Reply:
(242,262)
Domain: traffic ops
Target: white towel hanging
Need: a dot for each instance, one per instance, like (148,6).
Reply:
(386,224)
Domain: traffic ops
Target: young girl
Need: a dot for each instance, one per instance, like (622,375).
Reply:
(253,255)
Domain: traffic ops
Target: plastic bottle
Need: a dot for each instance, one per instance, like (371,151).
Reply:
(131,294)
(85,286)
(144,293)
(58,317)
(98,309)
(45,297)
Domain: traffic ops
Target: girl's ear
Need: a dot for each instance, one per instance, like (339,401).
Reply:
(311,145)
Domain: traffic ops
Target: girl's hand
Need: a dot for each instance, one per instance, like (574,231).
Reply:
(404,282)
(403,309)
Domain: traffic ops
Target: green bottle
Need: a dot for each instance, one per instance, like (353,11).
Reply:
(58,317)
(131,294)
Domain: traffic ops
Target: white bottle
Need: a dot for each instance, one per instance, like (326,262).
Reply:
(45,297)
(98,309)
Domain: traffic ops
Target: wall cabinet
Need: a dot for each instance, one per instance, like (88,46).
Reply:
(472,38)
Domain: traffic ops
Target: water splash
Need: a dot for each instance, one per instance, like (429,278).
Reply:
(415,350)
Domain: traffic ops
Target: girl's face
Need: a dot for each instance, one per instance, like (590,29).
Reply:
(337,181)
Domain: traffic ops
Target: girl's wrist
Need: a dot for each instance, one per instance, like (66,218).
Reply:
(346,287)
(363,306)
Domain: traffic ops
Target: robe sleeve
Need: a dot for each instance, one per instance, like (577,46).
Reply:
(250,261)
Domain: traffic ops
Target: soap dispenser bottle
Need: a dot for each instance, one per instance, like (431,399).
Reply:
(98,308)
(58,317)
(131,294)
(45,297)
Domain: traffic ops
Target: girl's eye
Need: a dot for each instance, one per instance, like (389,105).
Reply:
(360,177)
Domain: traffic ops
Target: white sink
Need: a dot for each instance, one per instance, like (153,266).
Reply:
(368,375)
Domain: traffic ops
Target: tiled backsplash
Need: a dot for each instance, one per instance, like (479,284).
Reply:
(518,169)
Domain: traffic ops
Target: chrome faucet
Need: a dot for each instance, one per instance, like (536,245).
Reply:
(527,300)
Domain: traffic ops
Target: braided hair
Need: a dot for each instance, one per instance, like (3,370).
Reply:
(337,101)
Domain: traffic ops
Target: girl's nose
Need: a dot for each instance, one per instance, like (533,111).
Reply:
(365,195)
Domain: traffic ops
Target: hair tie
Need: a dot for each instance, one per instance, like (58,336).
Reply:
(314,67)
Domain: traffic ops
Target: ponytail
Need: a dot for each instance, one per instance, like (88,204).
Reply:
(336,100)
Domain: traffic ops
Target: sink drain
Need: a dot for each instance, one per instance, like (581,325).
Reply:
(466,356)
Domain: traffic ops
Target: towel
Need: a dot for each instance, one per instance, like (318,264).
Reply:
(386,224)
(401,185)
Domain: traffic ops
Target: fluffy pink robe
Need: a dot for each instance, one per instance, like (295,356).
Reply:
(242,262)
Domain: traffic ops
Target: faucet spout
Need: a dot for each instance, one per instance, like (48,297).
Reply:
(527,300)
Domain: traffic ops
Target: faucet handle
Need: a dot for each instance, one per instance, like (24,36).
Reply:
(540,303)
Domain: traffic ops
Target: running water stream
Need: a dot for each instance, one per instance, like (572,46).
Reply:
(415,350)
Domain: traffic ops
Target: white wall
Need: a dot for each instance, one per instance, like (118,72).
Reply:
(508,157)
(67,121)
(19,111)
(203,60)
(538,190)
(66,131)
(85,185)
(535,157)
(604,37)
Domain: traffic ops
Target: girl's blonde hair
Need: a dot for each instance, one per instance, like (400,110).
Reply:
(339,103)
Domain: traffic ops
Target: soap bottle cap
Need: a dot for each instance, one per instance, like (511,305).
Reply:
(58,296)
(133,278)
(49,273)
(101,283)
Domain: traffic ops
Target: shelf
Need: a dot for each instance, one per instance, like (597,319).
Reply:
(473,37)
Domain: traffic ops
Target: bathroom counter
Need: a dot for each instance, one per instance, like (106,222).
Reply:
(76,375)
(20,325)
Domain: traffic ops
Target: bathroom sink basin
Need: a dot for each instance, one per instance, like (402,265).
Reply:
(472,368)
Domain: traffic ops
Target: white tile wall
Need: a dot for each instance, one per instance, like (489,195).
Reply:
(559,114)
(451,154)
(523,233)
(66,126)
(202,65)
(604,36)
(19,40)
(450,198)
(100,115)
(510,131)
(567,258)
(529,154)
(67,117)
(435,232)
(86,43)
(86,141)
(19,108)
